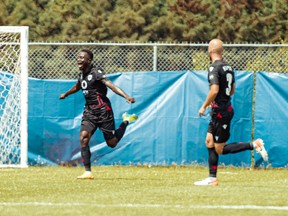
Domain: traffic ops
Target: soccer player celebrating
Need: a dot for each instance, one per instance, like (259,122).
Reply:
(222,87)
(98,111)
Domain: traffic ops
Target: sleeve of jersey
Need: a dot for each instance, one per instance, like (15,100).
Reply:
(100,74)
(213,76)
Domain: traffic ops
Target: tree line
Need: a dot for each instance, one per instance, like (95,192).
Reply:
(177,21)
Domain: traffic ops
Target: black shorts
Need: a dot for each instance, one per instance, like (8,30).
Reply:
(102,118)
(219,125)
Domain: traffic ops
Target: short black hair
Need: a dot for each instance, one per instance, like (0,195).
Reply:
(90,54)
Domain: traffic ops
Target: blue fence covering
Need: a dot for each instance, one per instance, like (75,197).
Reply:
(168,130)
(5,81)
(271,116)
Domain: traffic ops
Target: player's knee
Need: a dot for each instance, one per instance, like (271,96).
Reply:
(112,143)
(84,142)
(209,143)
(209,140)
(84,139)
(219,149)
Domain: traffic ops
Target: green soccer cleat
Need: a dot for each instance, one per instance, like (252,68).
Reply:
(129,118)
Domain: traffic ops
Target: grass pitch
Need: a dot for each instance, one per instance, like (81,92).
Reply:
(130,190)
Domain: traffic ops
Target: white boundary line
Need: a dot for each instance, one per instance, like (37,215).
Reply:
(255,207)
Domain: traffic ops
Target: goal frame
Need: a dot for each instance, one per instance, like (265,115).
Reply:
(24,37)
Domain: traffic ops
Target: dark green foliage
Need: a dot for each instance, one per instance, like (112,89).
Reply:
(234,21)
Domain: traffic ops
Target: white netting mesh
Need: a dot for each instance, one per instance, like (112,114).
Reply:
(10,92)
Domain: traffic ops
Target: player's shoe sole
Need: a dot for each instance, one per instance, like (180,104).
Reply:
(129,118)
(86,176)
(207,182)
(260,149)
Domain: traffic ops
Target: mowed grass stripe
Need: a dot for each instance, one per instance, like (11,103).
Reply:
(282,208)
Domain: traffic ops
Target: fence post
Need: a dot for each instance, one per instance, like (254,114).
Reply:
(253,118)
(154,58)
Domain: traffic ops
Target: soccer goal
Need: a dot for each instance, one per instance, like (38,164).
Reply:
(13,96)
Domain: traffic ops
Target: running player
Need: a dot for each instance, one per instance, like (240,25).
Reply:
(98,112)
(222,87)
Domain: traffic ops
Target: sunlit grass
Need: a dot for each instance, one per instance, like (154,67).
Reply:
(130,190)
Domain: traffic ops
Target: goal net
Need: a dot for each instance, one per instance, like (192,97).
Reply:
(13,96)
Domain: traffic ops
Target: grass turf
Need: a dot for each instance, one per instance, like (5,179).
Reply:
(137,190)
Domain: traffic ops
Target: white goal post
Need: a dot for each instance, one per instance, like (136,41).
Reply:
(13,96)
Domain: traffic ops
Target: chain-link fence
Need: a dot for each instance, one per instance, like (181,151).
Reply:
(58,60)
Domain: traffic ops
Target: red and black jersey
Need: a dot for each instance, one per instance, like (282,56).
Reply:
(222,74)
(93,89)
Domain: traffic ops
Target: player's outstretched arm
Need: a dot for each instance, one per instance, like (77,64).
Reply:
(74,89)
(118,90)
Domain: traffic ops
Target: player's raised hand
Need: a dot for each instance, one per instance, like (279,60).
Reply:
(130,100)
(202,111)
(62,96)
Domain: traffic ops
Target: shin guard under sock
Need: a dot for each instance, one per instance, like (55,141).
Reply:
(119,133)
(86,155)
(213,162)
(236,147)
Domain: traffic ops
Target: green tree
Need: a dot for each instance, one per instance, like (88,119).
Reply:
(234,21)
(22,13)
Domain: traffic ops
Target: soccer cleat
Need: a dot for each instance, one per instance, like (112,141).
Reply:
(258,145)
(86,175)
(129,118)
(210,181)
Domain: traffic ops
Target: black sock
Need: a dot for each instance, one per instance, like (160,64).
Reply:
(86,155)
(236,147)
(119,133)
(213,162)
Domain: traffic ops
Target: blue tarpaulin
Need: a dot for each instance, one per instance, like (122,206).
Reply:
(168,130)
(271,118)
